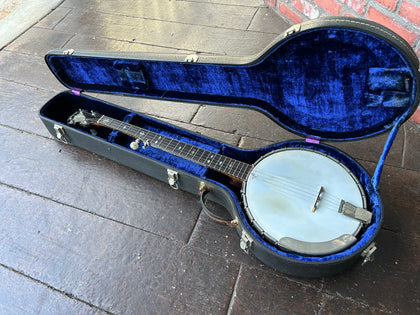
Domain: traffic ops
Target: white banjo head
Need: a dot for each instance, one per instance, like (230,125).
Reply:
(292,197)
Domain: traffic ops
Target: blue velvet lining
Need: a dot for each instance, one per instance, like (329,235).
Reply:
(330,83)
(159,155)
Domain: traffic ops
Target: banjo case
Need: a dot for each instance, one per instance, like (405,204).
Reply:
(335,79)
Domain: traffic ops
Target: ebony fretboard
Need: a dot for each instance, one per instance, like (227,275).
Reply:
(218,162)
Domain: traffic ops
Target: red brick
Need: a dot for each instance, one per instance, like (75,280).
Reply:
(306,8)
(380,18)
(389,4)
(331,6)
(288,13)
(348,14)
(271,3)
(357,5)
(410,12)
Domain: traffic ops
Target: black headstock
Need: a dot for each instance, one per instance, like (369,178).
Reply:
(83,117)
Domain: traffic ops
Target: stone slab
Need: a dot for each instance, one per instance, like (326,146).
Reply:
(412,147)
(257,292)
(268,21)
(23,15)
(38,41)
(20,106)
(390,283)
(112,266)
(86,181)
(23,295)
(212,14)
(28,70)
(163,33)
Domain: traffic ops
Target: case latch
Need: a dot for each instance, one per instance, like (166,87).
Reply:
(173,179)
(60,133)
(368,253)
(294,29)
(245,242)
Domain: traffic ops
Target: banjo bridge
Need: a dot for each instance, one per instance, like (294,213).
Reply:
(318,198)
(355,212)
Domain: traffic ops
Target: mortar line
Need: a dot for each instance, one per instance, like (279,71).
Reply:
(252,19)
(195,115)
(69,295)
(404,148)
(193,229)
(61,20)
(184,23)
(86,211)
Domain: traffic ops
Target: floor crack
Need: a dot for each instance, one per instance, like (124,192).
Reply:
(233,295)
(67,294)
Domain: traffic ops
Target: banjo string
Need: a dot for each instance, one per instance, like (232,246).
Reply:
(285,185)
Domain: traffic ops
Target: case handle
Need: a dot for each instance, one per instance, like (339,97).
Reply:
(210,214)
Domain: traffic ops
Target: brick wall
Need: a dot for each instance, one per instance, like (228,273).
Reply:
(401,16)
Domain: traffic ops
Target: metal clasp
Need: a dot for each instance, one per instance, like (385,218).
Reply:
(60,133)
(245,242)
(368,253)
(173,179)
(191,58)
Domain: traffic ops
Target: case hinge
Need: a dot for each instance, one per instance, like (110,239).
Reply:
(60,133)
(191,58)
(245,242)
(173,179)
(68,52)
(368,253)
(294,29)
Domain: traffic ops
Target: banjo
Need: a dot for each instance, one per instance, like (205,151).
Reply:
(298,199)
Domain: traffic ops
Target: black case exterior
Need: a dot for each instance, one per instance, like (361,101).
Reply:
(55,113)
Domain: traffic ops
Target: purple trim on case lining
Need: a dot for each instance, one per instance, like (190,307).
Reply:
(76,92)
(311,139)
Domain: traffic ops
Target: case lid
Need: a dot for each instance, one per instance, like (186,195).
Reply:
(330,78)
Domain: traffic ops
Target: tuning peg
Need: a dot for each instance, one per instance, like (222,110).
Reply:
(135,144)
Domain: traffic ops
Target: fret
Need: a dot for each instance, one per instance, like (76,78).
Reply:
(158,140)
(218,162)
(173,145)
(191,152)
(236,166)
(201,159)
(210,158)
(195,151)
(239,170)
(168,140)
(246,169)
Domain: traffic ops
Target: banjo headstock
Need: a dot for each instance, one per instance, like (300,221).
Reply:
(83,118)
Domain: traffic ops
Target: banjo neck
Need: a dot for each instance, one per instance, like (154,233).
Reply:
(223,164)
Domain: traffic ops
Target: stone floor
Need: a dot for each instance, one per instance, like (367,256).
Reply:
(82,234)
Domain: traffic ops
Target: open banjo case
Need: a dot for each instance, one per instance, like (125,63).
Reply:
(328,79)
